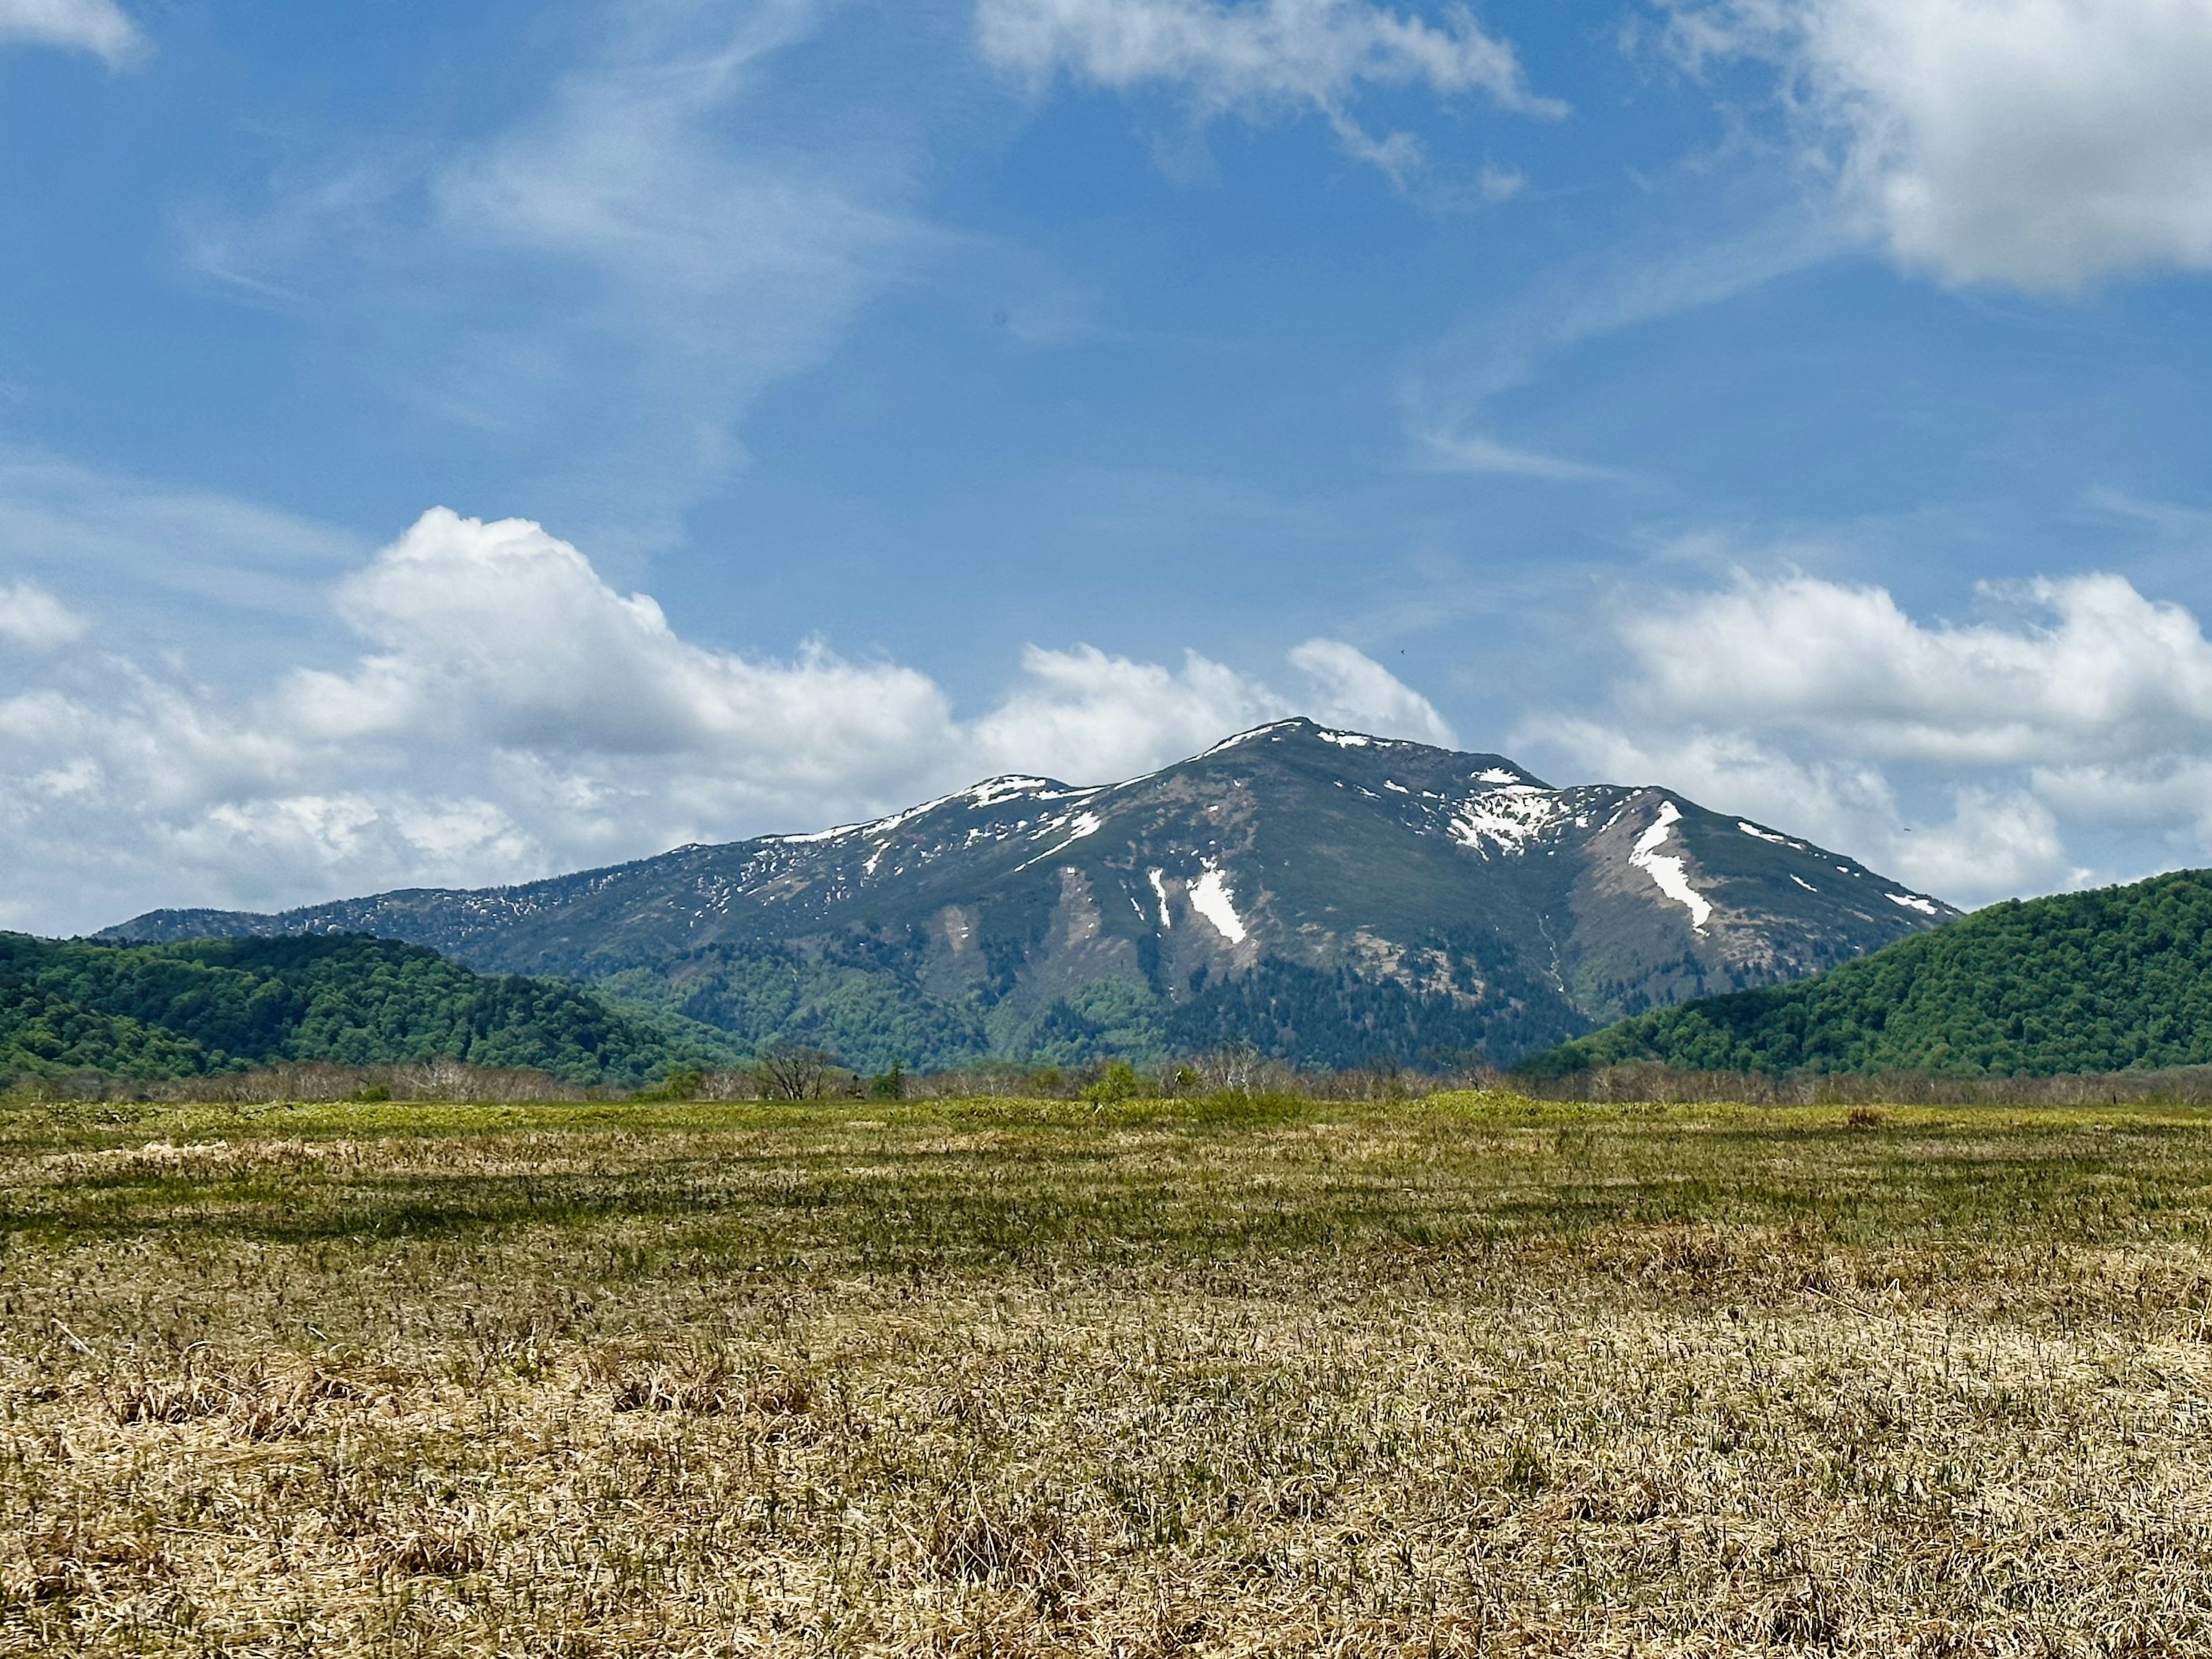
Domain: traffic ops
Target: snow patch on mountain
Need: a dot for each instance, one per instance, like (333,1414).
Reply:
(1914,902)
(991,790)
(1160,887)
(1209,897)
(1508,819)
(1667,871)
(1267,730)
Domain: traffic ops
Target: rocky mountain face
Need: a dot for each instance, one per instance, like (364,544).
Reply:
(1328,897)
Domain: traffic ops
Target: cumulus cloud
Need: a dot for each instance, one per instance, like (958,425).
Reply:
(1261,58)
(2084,708)
(2045,144)
(99,26)
(1351,688)
(507,712)
(2089,669)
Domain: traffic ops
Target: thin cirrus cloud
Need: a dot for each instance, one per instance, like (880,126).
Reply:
(508,713)
(2084,711)
(98,26)
(1263,59)
(2045,144)
(610,280)
(1445,452)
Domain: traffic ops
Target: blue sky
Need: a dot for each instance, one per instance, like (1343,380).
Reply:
(1802,406)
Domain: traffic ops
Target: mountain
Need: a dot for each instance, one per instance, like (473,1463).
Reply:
(1328,897)
(2111,981)
(186,1010)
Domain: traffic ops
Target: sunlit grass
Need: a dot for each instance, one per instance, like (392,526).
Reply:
(1464,1375)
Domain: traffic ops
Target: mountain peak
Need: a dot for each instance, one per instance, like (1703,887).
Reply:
(1324,894)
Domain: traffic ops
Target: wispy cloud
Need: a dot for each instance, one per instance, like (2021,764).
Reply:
(611,280)
(130,545)
(98,26)
(35,620)
(1445,398)
(1260,60)
(1440,452)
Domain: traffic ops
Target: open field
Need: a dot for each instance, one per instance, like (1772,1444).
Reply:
(1470,1375)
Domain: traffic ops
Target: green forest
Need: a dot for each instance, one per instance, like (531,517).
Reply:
(210,1005)
(2109,980)
(866,999)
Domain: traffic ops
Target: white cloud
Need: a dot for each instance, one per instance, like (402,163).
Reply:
(1445,396)
(1994,843)
(1088,717)
(510,715)
(2089,669)
(1351,688)
(1263,58)
(2085,711)
(1091,718)
(614,277)
(99,26)
(150,551)
(34,619)
(1442,451)
(2045,144)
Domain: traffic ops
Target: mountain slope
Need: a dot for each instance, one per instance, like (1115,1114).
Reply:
(2100,981)
(184,1010)
(1328,895)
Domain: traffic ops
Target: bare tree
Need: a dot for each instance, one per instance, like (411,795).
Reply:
(788,1072)
(1236,1069)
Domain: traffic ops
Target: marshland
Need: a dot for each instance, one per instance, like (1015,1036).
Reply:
(1469,1373)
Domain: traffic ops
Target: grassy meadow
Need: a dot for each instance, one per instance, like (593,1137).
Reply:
(1467,1374)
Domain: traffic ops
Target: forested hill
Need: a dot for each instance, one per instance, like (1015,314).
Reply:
(184,1010)
(2098,981)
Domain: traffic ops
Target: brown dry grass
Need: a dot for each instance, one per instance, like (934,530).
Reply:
(1470,1375)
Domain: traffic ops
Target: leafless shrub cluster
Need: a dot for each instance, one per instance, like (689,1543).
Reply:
(426,1080)
(797,1074)
(1238,1070)
(2180,1085)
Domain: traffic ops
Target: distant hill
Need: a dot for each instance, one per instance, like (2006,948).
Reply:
(1328,897)
(185,1010)
(2111,981)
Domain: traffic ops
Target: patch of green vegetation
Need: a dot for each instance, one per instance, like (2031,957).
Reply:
(158,1011)
(2112,980)
(881,1185)
(869,999)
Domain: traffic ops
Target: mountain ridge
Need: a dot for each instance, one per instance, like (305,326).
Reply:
(1434,900)
(2111,980)
(196,1007)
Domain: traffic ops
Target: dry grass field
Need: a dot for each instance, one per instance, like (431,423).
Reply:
(1462,1375)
